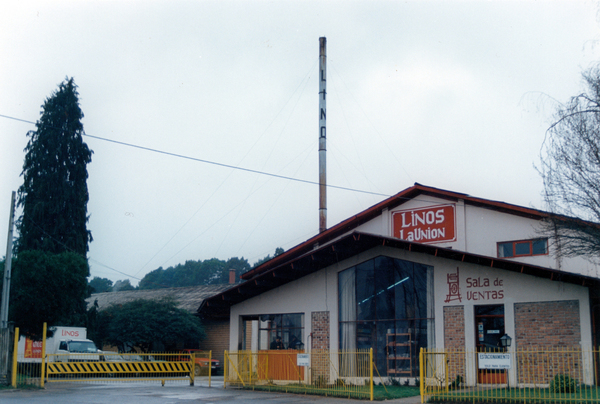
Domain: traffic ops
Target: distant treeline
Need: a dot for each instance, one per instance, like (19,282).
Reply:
(193,273)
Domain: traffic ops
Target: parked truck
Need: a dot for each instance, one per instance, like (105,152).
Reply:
(66,344)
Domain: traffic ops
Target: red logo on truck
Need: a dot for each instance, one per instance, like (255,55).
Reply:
(67,333)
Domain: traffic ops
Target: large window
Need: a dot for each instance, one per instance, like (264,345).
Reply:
(283,326)
(523,248)
(386,303)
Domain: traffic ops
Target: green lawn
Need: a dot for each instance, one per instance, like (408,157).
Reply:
(357,392)
(526,395)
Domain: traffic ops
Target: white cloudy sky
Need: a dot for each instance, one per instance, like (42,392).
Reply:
(450,94)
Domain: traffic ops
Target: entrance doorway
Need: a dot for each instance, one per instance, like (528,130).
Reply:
(489,327)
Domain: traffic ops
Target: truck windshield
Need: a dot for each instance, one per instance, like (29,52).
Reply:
(82,346)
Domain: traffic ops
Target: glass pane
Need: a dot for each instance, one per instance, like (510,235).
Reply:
(365,291)
(523,248)
(364,335)
(347,295)
(404,287)
(384,288)
(420,287)
(505,250)
(540,246)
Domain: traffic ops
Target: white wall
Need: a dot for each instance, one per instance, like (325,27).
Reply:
(478,230)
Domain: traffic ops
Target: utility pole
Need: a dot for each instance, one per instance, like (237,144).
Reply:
(322,134)
(7,267)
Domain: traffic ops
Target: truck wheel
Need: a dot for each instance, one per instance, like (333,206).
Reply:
(196,370)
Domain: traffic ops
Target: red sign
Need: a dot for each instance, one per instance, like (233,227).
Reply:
(33,349)
(432,224)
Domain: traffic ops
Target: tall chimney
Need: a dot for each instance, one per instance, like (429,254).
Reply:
(231,276)
(322,134)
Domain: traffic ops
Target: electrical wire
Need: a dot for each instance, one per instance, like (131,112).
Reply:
(212,162)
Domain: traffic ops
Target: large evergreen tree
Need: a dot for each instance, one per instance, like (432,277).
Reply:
(54,193)
(48,288)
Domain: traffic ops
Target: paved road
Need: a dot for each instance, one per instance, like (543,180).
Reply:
(154,393)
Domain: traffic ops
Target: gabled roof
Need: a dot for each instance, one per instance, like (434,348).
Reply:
(187,298)
(355,243)
(342,241)
(402,197)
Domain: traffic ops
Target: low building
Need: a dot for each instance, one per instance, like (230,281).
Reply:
(425,268)
(187,298)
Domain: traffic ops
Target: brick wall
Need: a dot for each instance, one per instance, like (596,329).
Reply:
(549,334)
(319,347)
(454,327)
(320,330)
(547,324)
(454,340)
(217,337)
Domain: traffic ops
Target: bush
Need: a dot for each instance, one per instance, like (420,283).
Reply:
(563,384)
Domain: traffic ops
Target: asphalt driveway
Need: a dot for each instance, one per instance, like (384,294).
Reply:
(154,393)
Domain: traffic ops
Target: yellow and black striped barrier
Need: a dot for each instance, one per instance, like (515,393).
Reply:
(117,366)
(64,368)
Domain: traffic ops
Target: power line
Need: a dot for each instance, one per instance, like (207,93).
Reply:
(212,162)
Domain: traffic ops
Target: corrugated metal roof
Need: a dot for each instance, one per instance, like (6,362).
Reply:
(187,298)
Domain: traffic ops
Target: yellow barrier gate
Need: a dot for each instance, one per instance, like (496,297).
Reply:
(119,366)
(58,368)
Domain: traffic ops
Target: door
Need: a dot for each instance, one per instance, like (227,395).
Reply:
(489,326)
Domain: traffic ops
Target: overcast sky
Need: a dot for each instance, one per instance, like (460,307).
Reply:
(455,95)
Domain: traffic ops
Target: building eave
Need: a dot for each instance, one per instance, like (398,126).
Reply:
(355,243)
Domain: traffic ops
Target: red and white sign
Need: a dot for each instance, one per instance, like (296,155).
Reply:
(33,349)
(432,224)
(69,333)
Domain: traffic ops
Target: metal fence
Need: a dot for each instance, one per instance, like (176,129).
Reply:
(34,367)
(557,375)
(109,367)
(324,372)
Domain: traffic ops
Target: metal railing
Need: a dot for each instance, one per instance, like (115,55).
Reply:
(324,372)
(554,375)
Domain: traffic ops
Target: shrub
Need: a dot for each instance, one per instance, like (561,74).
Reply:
(563,384)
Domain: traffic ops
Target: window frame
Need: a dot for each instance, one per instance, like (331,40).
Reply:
(514,243)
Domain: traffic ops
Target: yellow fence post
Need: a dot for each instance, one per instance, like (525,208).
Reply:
(421,374)
(371,371)
(15,354)
(192,367)
(209,366)
(43,356)
(225,358)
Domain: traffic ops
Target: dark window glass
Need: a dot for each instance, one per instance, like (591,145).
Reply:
(404,285)
(523,248)
(365,291)
(284,326)
(505,250)
(384,288)
(390,297)
(540,246)
(364,335)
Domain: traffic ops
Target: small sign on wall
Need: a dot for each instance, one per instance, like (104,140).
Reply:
(303,359)
(494,360)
